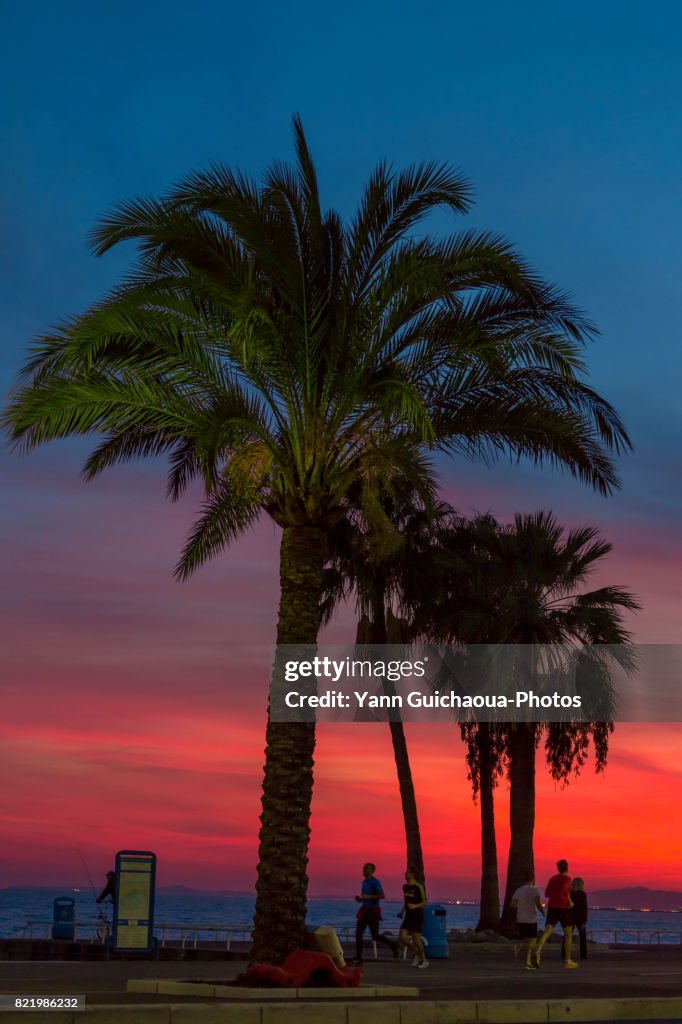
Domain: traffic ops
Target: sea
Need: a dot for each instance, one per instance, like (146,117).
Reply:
(28,911)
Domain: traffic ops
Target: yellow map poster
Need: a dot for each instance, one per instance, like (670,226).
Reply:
(135,882)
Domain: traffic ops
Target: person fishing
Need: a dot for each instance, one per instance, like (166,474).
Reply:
(109,889)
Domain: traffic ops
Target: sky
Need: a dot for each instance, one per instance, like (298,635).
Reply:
(134,706)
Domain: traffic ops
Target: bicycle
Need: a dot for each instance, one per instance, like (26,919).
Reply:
(103,928)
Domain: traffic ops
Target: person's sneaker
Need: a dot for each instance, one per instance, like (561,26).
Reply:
(570,963)
(415,961)
(422,964)
(530,966)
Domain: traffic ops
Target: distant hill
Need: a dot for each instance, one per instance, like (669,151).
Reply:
(172,890)
(637,897)
(184,890)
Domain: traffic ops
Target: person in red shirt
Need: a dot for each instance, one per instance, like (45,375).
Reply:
(559,911)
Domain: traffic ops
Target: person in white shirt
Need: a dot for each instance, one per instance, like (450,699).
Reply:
(527,900)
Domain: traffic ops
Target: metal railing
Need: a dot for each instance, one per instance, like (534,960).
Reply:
(187,935)
(635,937)
(218,933)
(191,933)
(166,931)
(90,931)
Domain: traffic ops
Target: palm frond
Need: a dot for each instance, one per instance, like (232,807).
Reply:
(391,206)
(226,515)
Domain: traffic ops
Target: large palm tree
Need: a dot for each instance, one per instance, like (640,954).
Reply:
(283,358)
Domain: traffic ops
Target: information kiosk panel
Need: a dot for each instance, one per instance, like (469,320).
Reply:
(134,906)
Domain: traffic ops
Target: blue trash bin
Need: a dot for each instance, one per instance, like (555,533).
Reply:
(435,931)
(63,917)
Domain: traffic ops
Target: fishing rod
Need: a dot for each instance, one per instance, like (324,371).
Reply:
(92,884)
(100,913)
(102,931)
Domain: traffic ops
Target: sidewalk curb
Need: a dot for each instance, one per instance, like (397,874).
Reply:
(498,1011)
(241,993)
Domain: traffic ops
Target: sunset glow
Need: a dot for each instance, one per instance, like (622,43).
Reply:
(134,717)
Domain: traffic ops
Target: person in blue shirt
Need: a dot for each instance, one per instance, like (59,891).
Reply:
(369,914)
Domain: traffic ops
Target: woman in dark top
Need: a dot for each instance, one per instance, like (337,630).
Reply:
(579,913)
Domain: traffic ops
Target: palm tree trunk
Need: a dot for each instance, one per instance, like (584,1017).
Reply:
(489,913)
(415,857)
(408,799)
(520,868)
(279,923)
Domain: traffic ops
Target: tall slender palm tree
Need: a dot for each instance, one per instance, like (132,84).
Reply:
(450,602)
(378,570)
(282,358)
(485,759)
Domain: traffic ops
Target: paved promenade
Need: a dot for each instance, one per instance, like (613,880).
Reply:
(473,985)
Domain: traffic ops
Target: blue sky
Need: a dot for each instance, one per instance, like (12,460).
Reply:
(565,117)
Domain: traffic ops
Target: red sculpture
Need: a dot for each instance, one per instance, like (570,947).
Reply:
(305,968)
